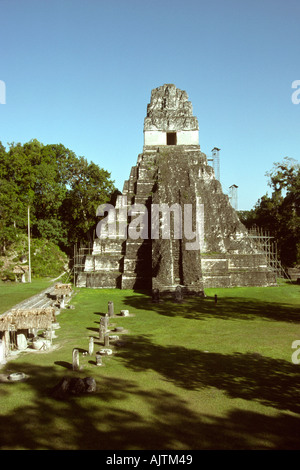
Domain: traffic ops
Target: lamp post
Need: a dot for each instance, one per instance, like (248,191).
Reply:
(29,260)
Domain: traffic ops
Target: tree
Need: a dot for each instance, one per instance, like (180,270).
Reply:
(16,192)
(90,186)
(280,212)
(63,191)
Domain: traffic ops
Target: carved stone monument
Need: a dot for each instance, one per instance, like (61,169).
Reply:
(2,352)
(98,359)
(178,297)
(91,345)
(102,330)
(75,359)
(155,296)
(106,340)
(21,342)
(110,309)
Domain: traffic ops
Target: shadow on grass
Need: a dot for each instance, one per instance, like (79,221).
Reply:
(94,330)
(113,418)
(198,308)
(271,382)
(105,421)
(65,364)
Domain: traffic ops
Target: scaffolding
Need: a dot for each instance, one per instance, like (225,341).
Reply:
(265,243)
(80,254)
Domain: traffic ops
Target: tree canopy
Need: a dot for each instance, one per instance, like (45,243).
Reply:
(62,190)
(280,212)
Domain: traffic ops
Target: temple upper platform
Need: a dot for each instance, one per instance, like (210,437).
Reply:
(170,119)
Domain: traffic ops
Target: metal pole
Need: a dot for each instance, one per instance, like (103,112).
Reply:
(29,259)
(74,263)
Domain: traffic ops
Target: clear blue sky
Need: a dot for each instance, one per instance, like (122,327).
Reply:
(80,73)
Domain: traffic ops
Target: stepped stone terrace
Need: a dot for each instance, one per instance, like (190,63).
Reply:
(172,171)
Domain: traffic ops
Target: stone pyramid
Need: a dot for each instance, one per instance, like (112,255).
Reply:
(173,176)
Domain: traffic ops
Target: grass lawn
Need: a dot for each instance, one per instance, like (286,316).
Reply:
(188,376)
(11,293)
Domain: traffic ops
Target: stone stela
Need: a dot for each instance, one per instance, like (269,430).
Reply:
(172,169)
(75,359)
(110,309)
